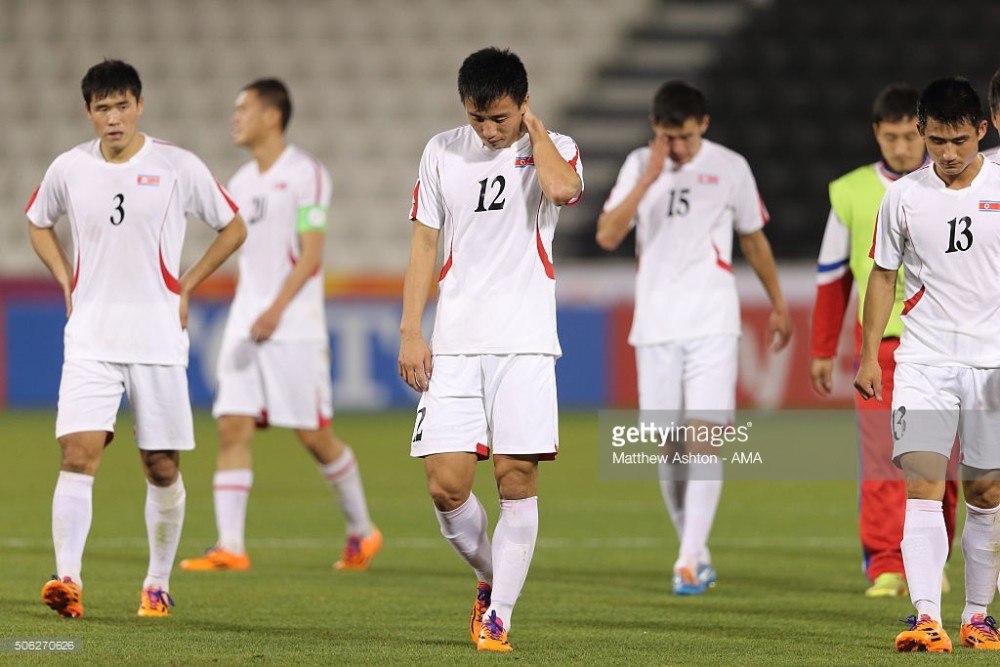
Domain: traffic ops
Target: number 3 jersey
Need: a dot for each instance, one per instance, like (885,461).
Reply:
(948,242)
(128,224)
(289,199)
(497,283)
(684,242)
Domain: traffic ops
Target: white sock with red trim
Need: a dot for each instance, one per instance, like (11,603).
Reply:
(980,542)
(231,490)
(925,550)
(465,529)
(513,546)
(164,520)
(344,478)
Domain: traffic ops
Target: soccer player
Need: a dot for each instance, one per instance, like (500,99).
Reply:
(685,196)
(274,364)
(937,223)
(126,195)
(493,189)
(994,102)
(844,260)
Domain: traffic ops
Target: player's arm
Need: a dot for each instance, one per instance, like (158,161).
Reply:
(834,281)
(559,180)
(414,353)
(225,243)
(50,251)
(879,300)
(309,262)
(614,224)
(757,251)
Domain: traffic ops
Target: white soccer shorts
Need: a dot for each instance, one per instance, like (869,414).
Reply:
(481,403)
(930,404)
(280,383)
(695,377)
(90,395)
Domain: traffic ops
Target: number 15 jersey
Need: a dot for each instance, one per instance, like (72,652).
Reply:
(497,284)
(128,223)
(948,242)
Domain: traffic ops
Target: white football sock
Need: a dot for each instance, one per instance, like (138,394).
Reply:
(672,491)
(72,512)
(164,520)
(980,541)
(465,529)
(231,491)
(701,500)
(925,550)
(344,478)
(513,545)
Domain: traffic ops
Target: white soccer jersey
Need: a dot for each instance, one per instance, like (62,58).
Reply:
(684,242)
(497,284)
(128,222)
(948,242)
(292,196)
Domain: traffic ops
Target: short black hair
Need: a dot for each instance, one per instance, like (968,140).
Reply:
(274,93)
(676,101)
(491,73)
(951,101)
(895,103)
(994,95)
(110,77)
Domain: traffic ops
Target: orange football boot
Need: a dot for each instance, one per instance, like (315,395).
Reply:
(359,551)
(216,558)
(981,633)
(483,593)
(155,601)
(493,636)
(64,596)
(925,634)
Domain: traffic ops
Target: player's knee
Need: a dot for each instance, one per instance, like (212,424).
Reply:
(162,468)
(982,494)
(447,497)
(79,456)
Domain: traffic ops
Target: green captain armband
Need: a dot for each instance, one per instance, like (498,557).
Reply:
(311,219)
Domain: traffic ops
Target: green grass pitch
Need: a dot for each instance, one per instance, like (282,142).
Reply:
(789,591)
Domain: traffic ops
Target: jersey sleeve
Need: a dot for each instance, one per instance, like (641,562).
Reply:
(749,213)
(628,176)
(889,238)
(426,206)
(315,189)
(833,288)
(48,202)
(204,197)
(571,152)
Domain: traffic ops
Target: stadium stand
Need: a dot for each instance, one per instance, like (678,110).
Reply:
(371,82)
(789,85)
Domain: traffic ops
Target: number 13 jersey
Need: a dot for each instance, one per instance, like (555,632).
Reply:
(948,242)
(497,283)
(128,224)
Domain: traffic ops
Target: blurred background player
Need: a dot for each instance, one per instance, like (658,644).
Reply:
(937,224)
(686,195)
(994,102)
(274,365)
(494,187)
(844,260)
(126,196)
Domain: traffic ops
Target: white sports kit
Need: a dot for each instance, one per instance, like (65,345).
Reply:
(685,288)
(284,381)
(948,243)
(496,311)
(128,224)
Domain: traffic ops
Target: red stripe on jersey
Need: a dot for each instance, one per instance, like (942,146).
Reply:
(912,301)
(416,193)
(34,195)
(482,451)
(232,204)
(76,271)
(576,158)
(719,261)
(871,253)
(763,209)
(542,255)
(168,279)
(828,316)
(446,267)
